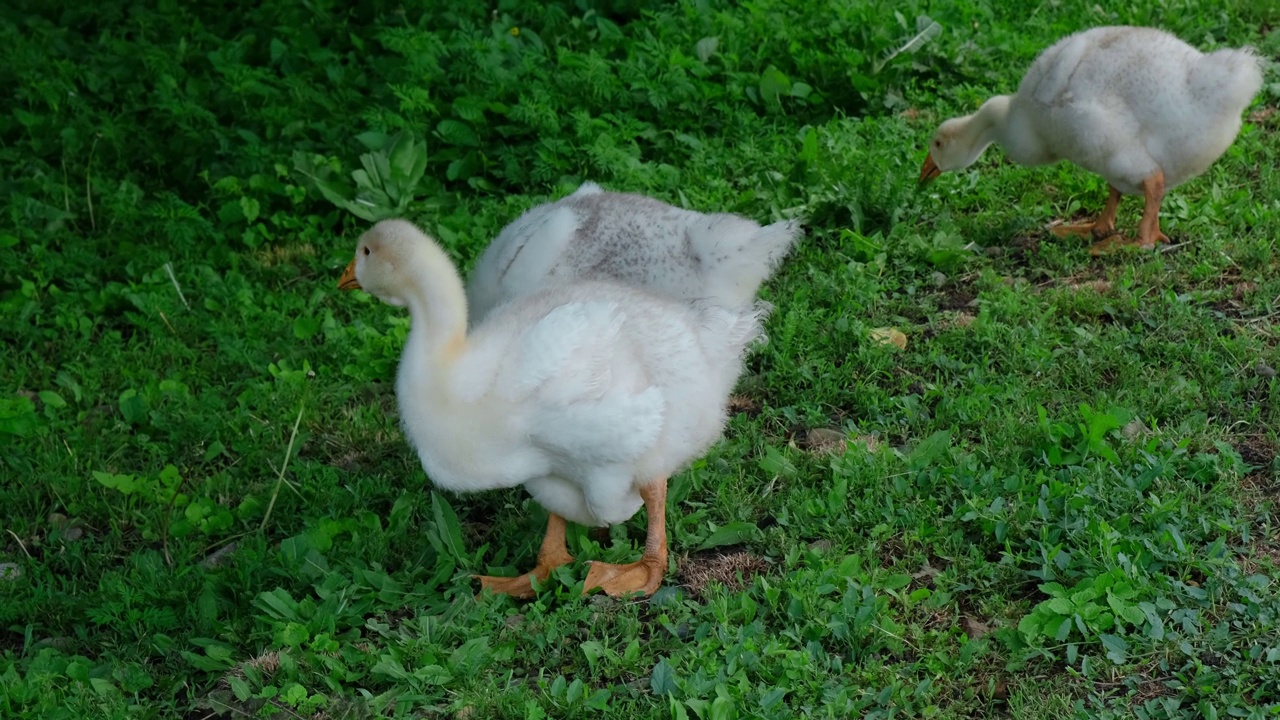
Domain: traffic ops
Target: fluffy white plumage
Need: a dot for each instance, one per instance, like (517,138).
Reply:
(582,393)
(1136,105)
(1122,102)
(598,235)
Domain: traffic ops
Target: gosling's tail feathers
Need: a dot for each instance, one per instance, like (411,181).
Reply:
(737,255)
(587,188)
(1228,78)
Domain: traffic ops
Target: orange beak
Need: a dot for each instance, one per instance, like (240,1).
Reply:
(929,170)
(348,280)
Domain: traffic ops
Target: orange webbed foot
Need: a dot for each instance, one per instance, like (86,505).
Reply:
(644,576)
(552,555)
(1065,230)
(520,586)
(1111,244)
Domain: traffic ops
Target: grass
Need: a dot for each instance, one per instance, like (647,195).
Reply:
(1058,500)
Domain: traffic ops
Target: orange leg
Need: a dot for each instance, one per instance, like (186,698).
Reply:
(644,576)
(552,555)
(1103,227)
(1149,228)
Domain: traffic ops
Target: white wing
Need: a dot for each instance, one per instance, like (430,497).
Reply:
(581,385)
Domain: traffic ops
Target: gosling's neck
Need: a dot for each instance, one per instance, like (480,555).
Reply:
(996,122)
(988,125)
(437,308)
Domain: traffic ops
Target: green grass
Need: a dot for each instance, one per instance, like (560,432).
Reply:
(1061,498)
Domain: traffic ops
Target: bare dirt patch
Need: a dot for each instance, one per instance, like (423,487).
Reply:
(732,568)
(831,441)
(743,404)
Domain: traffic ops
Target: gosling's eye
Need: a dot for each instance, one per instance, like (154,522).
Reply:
(366,251)
(936,143)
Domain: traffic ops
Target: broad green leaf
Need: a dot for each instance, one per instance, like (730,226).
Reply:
(774,84)
(1030,626)
(294,694)
(775,463)
(366,179)
(896,581)
(1155,626)
(132,407)
(382,167)
(404,156)
(1061,606)
(1132,615)
(929,449)
(663,679)
(373,140)
(306,326)
(278,604)
(447,527)
(470,108)
(456,132)
(1116,647)
(592,650)
(433,675)
(731,534)
(391,667)
(51,399)
(294,634)
(18,417)
(809,152)
(401,512)
(723,708)
(1061,628)
(464,167)
(250,208)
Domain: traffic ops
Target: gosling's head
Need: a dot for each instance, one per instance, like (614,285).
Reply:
(388,261)
(950,149)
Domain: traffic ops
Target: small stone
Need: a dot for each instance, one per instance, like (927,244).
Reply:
(994,251)
(939,279)
(9,572)
(72,534)
(973,628)
(514,621)
(1264,370)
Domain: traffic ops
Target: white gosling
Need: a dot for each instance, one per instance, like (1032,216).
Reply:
(590,394)
(1135,105)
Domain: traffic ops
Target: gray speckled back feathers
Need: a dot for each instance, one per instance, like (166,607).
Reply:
(597,235)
